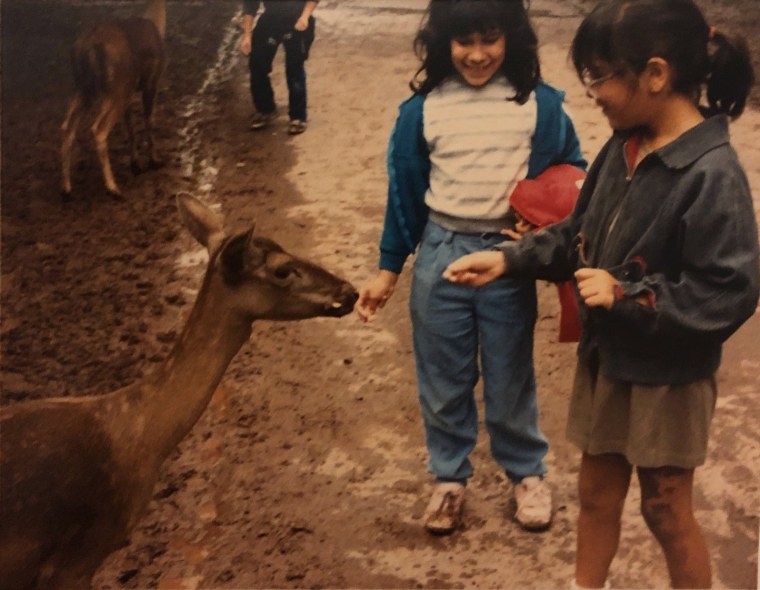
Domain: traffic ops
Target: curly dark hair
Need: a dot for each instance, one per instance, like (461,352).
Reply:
(448,19)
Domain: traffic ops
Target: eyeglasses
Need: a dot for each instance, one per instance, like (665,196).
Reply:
(592,83)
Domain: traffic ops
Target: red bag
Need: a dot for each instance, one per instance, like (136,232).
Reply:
(547,199)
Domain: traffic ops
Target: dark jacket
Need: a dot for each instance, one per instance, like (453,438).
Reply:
(280,10)
(554,142)
(679,234)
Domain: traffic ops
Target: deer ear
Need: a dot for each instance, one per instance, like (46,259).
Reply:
(257,256)
(204,225)
(239,257)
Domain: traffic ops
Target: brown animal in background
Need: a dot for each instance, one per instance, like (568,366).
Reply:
(77,473)
(111,61)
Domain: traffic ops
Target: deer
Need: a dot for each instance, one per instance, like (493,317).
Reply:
(78,472)
(111,61)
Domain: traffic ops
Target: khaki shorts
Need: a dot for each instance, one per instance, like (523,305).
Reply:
(652,426)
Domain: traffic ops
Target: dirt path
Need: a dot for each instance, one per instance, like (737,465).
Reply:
(308,468)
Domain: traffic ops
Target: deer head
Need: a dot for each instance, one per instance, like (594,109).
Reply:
(260,279)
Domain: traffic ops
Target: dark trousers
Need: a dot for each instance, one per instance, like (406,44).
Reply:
(267,37)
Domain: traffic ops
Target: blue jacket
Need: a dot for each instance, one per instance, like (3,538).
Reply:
(554,142)
(679,234)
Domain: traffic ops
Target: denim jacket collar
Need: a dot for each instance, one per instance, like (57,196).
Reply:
(692,145)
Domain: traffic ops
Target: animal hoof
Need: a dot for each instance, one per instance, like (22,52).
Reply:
(65,196)
(115,194)
(136,168)
(155,164)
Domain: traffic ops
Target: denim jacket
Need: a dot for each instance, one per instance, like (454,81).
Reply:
(554,142)
(679,234)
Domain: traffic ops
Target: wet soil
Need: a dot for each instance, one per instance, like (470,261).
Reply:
(308,468)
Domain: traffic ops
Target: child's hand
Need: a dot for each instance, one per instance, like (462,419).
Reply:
(375,294)
(302,24)
(522,227)
(245,44)
(515,234)
(596,286)
(476,269)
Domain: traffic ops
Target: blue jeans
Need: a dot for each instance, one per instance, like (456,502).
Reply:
(453,325)
(267,37)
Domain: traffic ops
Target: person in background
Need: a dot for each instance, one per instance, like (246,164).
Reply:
(663,246)
(290,23)
(480,119)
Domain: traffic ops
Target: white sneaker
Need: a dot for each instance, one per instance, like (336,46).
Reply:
(534,503)
(444,512)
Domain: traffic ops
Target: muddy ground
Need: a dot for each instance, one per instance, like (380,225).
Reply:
(308,468)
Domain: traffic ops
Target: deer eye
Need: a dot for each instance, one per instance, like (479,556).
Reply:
(282,272)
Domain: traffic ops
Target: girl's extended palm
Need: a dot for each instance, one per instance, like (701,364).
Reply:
(476,269)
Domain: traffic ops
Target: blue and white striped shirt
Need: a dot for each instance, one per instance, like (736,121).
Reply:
(480,144)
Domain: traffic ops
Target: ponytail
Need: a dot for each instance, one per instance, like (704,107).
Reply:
(731,76)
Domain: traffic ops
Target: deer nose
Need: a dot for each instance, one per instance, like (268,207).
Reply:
(349,293)
(344,301)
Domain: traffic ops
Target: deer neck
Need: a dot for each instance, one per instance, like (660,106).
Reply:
(156,13)
(176,395)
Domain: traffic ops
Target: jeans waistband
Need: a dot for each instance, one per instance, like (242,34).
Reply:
(467,226)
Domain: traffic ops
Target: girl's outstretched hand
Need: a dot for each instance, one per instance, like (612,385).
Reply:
(476,269)
(375,294)
(596,286)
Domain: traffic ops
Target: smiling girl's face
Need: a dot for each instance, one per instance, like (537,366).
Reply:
(478,56)
(627,99)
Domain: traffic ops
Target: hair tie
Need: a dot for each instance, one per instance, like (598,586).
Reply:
(711,34)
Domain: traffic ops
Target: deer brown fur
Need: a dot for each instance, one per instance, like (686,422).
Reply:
(111,62)
(78,472)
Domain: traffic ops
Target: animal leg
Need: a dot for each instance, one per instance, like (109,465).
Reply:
(101,128)
(148,99)
(134,164)
(69,131)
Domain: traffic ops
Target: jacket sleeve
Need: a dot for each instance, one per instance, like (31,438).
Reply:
(408,181)
(571,147)
(555,140)
(717,287)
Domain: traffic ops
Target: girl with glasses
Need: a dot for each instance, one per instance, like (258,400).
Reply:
(663,247)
